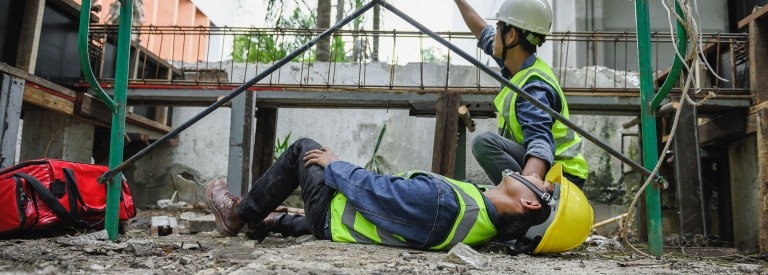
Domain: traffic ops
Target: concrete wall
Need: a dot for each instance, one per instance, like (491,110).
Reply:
(351,133)
(619,16)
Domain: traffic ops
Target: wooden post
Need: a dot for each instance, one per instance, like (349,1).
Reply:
(446,128)
(264,145)
(758,53)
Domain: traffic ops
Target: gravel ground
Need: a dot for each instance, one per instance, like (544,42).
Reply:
(137,252)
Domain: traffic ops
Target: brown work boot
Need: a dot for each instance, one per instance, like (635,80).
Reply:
(224,208)
(260,230)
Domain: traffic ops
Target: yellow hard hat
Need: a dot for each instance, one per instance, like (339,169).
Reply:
(570,219)
(531,15)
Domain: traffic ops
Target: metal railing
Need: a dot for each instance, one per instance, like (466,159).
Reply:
(594,62)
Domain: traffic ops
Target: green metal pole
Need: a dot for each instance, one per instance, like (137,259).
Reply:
(82,50)
(677,65)
(648,122)
(118,119)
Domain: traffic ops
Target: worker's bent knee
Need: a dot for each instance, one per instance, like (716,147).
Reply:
(307,143)
(483,141)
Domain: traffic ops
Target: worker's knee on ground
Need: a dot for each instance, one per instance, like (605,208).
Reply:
(482,142)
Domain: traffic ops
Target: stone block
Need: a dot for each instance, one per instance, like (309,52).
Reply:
(163,225)
(199,222)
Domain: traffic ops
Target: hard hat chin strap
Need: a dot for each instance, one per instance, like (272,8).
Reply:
(504,46)
(544,197)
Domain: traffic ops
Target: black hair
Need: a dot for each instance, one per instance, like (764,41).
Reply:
(523,38)
(514,226)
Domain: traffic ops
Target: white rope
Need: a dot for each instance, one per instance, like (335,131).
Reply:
(694,37)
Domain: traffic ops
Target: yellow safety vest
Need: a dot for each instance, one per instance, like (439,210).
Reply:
(567,142)
(473,226)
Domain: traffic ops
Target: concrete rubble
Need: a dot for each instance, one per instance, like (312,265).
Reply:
(164,225)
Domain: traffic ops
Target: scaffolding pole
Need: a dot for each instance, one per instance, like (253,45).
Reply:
(648,124)
(117,106)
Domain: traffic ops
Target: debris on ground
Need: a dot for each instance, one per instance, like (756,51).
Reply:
(138,252)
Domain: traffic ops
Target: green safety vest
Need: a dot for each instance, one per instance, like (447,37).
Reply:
(473,226)
(567,143)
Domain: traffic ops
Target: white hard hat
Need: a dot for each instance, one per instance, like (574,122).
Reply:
(530,15)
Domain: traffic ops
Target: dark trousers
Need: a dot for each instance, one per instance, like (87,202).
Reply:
(285,175)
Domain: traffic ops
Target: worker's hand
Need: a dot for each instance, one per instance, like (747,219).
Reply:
(542,185)
(321,157)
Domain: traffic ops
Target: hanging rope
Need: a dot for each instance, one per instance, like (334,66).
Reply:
(693,32)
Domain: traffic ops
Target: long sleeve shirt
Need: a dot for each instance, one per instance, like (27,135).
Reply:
(421,209)
(535,123)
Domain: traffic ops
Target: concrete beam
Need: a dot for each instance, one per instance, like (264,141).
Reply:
(240,143)
(48,134)
(421,102)
(11,97)
(762,178)
(29,40)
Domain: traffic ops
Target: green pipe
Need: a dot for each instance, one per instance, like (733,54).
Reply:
(648,121)
(85,62)
(118,119)
(677,65)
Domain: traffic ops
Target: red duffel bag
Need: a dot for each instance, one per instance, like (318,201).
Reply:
(47,193)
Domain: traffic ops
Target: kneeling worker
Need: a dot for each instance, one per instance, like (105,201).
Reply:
(346,203)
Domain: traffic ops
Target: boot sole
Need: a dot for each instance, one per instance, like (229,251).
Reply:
(216,214)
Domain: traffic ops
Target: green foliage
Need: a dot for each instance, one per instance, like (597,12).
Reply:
(256,48)
(338,53)
(281,146)
(377,163)
(433,54)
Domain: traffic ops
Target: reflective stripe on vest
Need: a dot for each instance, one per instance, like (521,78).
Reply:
(472,227)
(567,143)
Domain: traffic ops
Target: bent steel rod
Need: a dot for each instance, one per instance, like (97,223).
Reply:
(520,92)
(111,173)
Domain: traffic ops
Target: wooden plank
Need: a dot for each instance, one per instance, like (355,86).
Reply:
(723,127)
(758,14)
(264,144)
(758,54)
(46,100)
(30,78)
(146,123)
(446,129)
(93,110)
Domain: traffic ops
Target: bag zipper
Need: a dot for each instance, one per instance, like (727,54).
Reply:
(21,200)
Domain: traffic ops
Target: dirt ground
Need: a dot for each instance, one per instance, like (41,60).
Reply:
(137,252)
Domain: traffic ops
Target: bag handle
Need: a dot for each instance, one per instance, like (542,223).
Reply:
(50,200)
(73,192)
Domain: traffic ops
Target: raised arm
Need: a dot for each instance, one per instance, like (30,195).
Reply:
(471,18)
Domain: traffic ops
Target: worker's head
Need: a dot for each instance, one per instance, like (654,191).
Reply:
(559,219)
(524,23)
